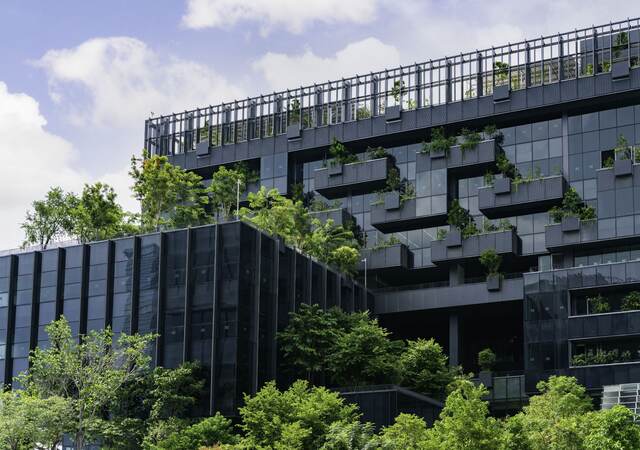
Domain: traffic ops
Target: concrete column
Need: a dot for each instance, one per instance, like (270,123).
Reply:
(454,339)
(456,275)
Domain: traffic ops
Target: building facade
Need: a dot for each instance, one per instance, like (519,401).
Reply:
(560,103)
(216,294)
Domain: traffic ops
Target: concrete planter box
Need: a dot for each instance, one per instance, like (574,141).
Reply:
(392,200)
(622,167)
(475,161)
(354,178)
(505,243)
(340,216)
(531,197)
(569,224)
(395,257)
(571,232)
(454,238)
(293,131)
(335,169)
(437,154)
(404,217)
(202,148)
(620,70)
(392,113)
(486,377)
(501,93)
(494,282)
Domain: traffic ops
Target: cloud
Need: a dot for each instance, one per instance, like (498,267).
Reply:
(283,71)
(292,15)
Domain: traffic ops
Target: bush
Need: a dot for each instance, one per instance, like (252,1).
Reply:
(486,359)
(491,261)
(210,431)
(425,368)
(439,142)
(631,301)
(598,304)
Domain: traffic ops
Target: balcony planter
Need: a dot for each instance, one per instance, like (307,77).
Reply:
(339,216)
(486,377)
(620,70)
(570,223)
(355,178)
(475,161)
(494,282)
(506,243)
(392,200)
(622,167)
(437,154)
(394,257)
(501,93)
(202,148)
(404,218)
(335,169)
(502,186)
(293,131)
(524,198)
(392,113)
(454,238)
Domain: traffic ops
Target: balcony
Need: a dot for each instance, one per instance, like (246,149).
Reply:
(339,216)
(394,215)
(357,178)
(594,377)
(454,249)
(589,234)
(602,325)
(419,299)
(367,106)
(465,163)
(506,198)
(394,257)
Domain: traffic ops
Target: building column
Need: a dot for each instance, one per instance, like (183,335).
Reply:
(454,339)
(456,275)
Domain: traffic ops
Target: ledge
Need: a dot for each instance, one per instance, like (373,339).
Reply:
(505,243)
(395,257)
(404,218)
(340,216)
(601,325)
(527,197)
(585,234)
(355,178)
(472,162)
(446,296)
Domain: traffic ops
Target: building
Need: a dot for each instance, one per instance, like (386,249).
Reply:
(561,103)
(216,294)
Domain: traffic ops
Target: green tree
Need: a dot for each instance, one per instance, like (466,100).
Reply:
(96,215)
(299,417)
(88,373)
(425,368)
(210,431)
(27,421)
(50,219)
(308,339)
(348,436)
(223,190)
(465,424)
(175,392)
(364,354)
(408,432)
(169,195)
(611,429)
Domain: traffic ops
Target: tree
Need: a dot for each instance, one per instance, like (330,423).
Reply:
(96,215)
(364,354)
(210,431)
(611,429)
(425,368)
(348,436)
(299,417)
(50,219)
(308,339)
(175,392)
(169,195)
(464,423)
(226,185)
(88,374)
(27,421)
(408,432)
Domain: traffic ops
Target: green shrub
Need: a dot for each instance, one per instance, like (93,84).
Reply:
(208,432)
(471,139)
(598,304)
(340,153)
(439,142)
(491,261)
(486,359)
(631,301)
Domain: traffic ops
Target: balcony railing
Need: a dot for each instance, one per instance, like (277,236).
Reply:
(497,71)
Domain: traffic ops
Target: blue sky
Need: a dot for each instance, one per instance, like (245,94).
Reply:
(78,78)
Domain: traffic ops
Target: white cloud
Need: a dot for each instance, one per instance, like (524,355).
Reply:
(292,15)
(283,71)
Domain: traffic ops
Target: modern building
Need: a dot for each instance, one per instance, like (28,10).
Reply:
(561,103)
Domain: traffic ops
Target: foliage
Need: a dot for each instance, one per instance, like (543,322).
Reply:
(600,356)
(491,131)
(506,167)
(96,215)
(27,421)
(383,243)
(631,301)
(226,185)
(169,195)
(88,374)
(572,206)
(425,368)
(598,304)
(50,219)
(439,142)
(622,149)
(471,139)
(486,359)
(408,432)
(465,423)
(377,153)
(299,417)
(458,216)
(340,153)
(398,90)
(210,431)
(348,436)
(491,261)
(363,113)
(611,429)
(501,72)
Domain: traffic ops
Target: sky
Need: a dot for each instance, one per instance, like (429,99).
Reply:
(78,78)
